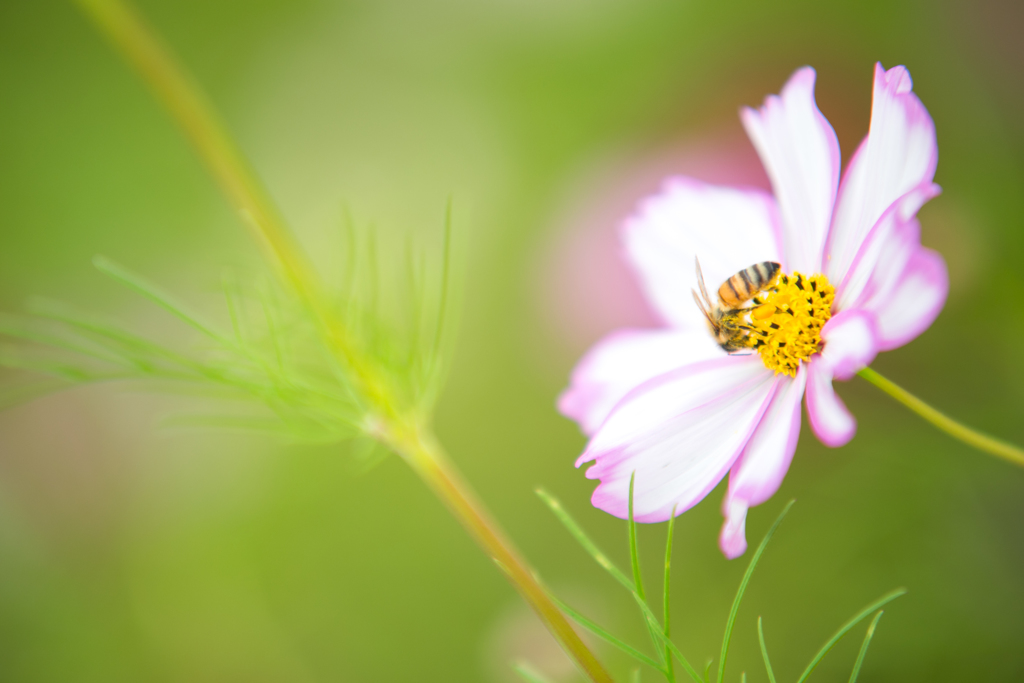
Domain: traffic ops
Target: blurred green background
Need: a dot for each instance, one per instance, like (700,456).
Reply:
(132,553)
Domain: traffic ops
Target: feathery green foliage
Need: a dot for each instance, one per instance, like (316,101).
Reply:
(268,368)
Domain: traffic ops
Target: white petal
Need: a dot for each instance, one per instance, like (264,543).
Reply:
(902,240)
(880,260)
(679,433)
(801,154)
(895,164)
(623,361)
(728,229)
(913,303)
(850,343)
(756,476)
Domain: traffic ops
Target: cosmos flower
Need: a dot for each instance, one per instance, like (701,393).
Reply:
(671,405)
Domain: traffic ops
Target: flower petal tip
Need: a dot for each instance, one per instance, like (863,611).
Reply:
(804,77)
(830,419)
(733,538)
(897,78)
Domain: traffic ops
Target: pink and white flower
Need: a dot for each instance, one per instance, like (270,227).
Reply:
(670,404)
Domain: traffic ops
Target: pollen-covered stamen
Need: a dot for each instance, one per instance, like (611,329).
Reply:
(785,323)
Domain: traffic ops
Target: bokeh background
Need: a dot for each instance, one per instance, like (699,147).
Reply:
(130,552)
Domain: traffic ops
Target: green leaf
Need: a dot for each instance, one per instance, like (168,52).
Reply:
(604,635)
(857,618)
(743,587)
(764,652)
(569,523)
(864,647)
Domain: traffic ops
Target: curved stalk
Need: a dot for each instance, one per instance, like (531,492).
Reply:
(969,436)
(425,456)
(140,46)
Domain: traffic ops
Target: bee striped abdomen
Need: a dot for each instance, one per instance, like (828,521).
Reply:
(744,285)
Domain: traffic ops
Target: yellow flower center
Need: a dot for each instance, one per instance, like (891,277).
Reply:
(785,322)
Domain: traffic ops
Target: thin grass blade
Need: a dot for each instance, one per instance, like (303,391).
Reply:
(860,616)
(605,636)
(634,558)
(764,652)
(666,594)
(668,644)
(653,627)
(864,647)
(569,523)
(743,587)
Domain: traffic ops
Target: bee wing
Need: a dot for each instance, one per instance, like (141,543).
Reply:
(703,309)
(703,290)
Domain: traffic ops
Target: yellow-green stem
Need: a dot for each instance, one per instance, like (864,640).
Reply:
(426,457)
(197,118)
(982,442)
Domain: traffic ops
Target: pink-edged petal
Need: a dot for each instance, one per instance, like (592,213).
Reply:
(680,433)
(623,361)
(880,260)
(727,228)
(758,473)
(850,343)
(830,421)
(800,152)
(910,307)
(733,538)
(894,165)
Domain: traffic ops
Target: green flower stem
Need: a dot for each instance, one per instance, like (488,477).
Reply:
(982,442)
(195,115)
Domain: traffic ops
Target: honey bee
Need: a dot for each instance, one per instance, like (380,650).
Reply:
(727,317)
